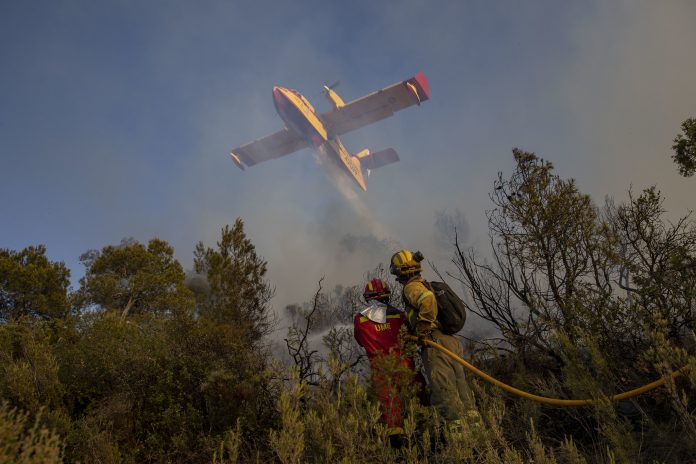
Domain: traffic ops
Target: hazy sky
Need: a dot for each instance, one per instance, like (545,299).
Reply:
(116,118)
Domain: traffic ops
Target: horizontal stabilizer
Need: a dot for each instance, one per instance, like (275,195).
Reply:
(377,159)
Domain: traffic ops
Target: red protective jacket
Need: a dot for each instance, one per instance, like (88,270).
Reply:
(380,340)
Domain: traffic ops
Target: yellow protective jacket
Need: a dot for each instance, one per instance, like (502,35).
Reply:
(422,306)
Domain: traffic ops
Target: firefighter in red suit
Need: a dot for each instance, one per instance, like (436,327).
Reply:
(376,329)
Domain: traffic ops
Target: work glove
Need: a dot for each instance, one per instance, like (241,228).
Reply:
(424,330)
(424,335)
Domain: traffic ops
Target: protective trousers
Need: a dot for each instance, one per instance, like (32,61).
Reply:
(390,376)
(449,392)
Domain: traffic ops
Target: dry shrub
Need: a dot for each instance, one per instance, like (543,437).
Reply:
(24,442)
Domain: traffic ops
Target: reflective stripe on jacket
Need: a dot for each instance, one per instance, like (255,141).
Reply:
(422,306)
(379,338)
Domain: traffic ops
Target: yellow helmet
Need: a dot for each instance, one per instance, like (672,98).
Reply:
(404,263)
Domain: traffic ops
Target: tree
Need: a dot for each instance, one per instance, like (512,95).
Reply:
(658,261)
(238,291)
(132,278)
(31,285)
(685,148)
(553,257)
(588,302)
(156,388)
(560,265)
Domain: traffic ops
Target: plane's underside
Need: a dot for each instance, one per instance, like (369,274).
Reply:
(305,128)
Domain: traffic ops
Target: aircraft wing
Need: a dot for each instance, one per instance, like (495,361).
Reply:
(272,146)
(377,105)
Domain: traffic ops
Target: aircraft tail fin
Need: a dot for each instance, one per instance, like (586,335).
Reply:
(377,159)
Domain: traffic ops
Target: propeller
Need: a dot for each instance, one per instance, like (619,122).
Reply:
(328,87)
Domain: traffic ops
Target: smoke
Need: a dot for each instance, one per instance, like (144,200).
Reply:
(109,135)
(346,186)
(318,342)
(370,245)
(450,228)
(626,94)
(345,241)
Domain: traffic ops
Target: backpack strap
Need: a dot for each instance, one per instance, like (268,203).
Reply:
(412,311)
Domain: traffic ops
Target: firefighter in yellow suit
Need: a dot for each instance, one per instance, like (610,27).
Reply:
(449,392)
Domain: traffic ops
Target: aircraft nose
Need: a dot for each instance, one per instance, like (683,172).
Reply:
(279,97)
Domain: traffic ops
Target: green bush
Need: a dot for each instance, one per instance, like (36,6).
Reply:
(141,365)
(23,441)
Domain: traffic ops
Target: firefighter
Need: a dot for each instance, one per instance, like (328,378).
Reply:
(376,329)
(449,392)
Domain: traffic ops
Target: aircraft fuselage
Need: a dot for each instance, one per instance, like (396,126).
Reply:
(305,128)
(299,116)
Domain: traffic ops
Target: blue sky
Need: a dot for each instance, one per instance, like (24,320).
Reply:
(116,118)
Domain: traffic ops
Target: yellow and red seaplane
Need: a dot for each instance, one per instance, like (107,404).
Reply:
(304,127)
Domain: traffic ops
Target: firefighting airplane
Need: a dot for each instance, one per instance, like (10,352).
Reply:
(304,127)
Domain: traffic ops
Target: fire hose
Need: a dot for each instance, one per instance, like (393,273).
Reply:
(546,400)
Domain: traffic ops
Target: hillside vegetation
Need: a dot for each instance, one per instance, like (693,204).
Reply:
(142,364)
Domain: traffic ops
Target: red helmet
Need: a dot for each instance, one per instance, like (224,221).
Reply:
(376,289)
